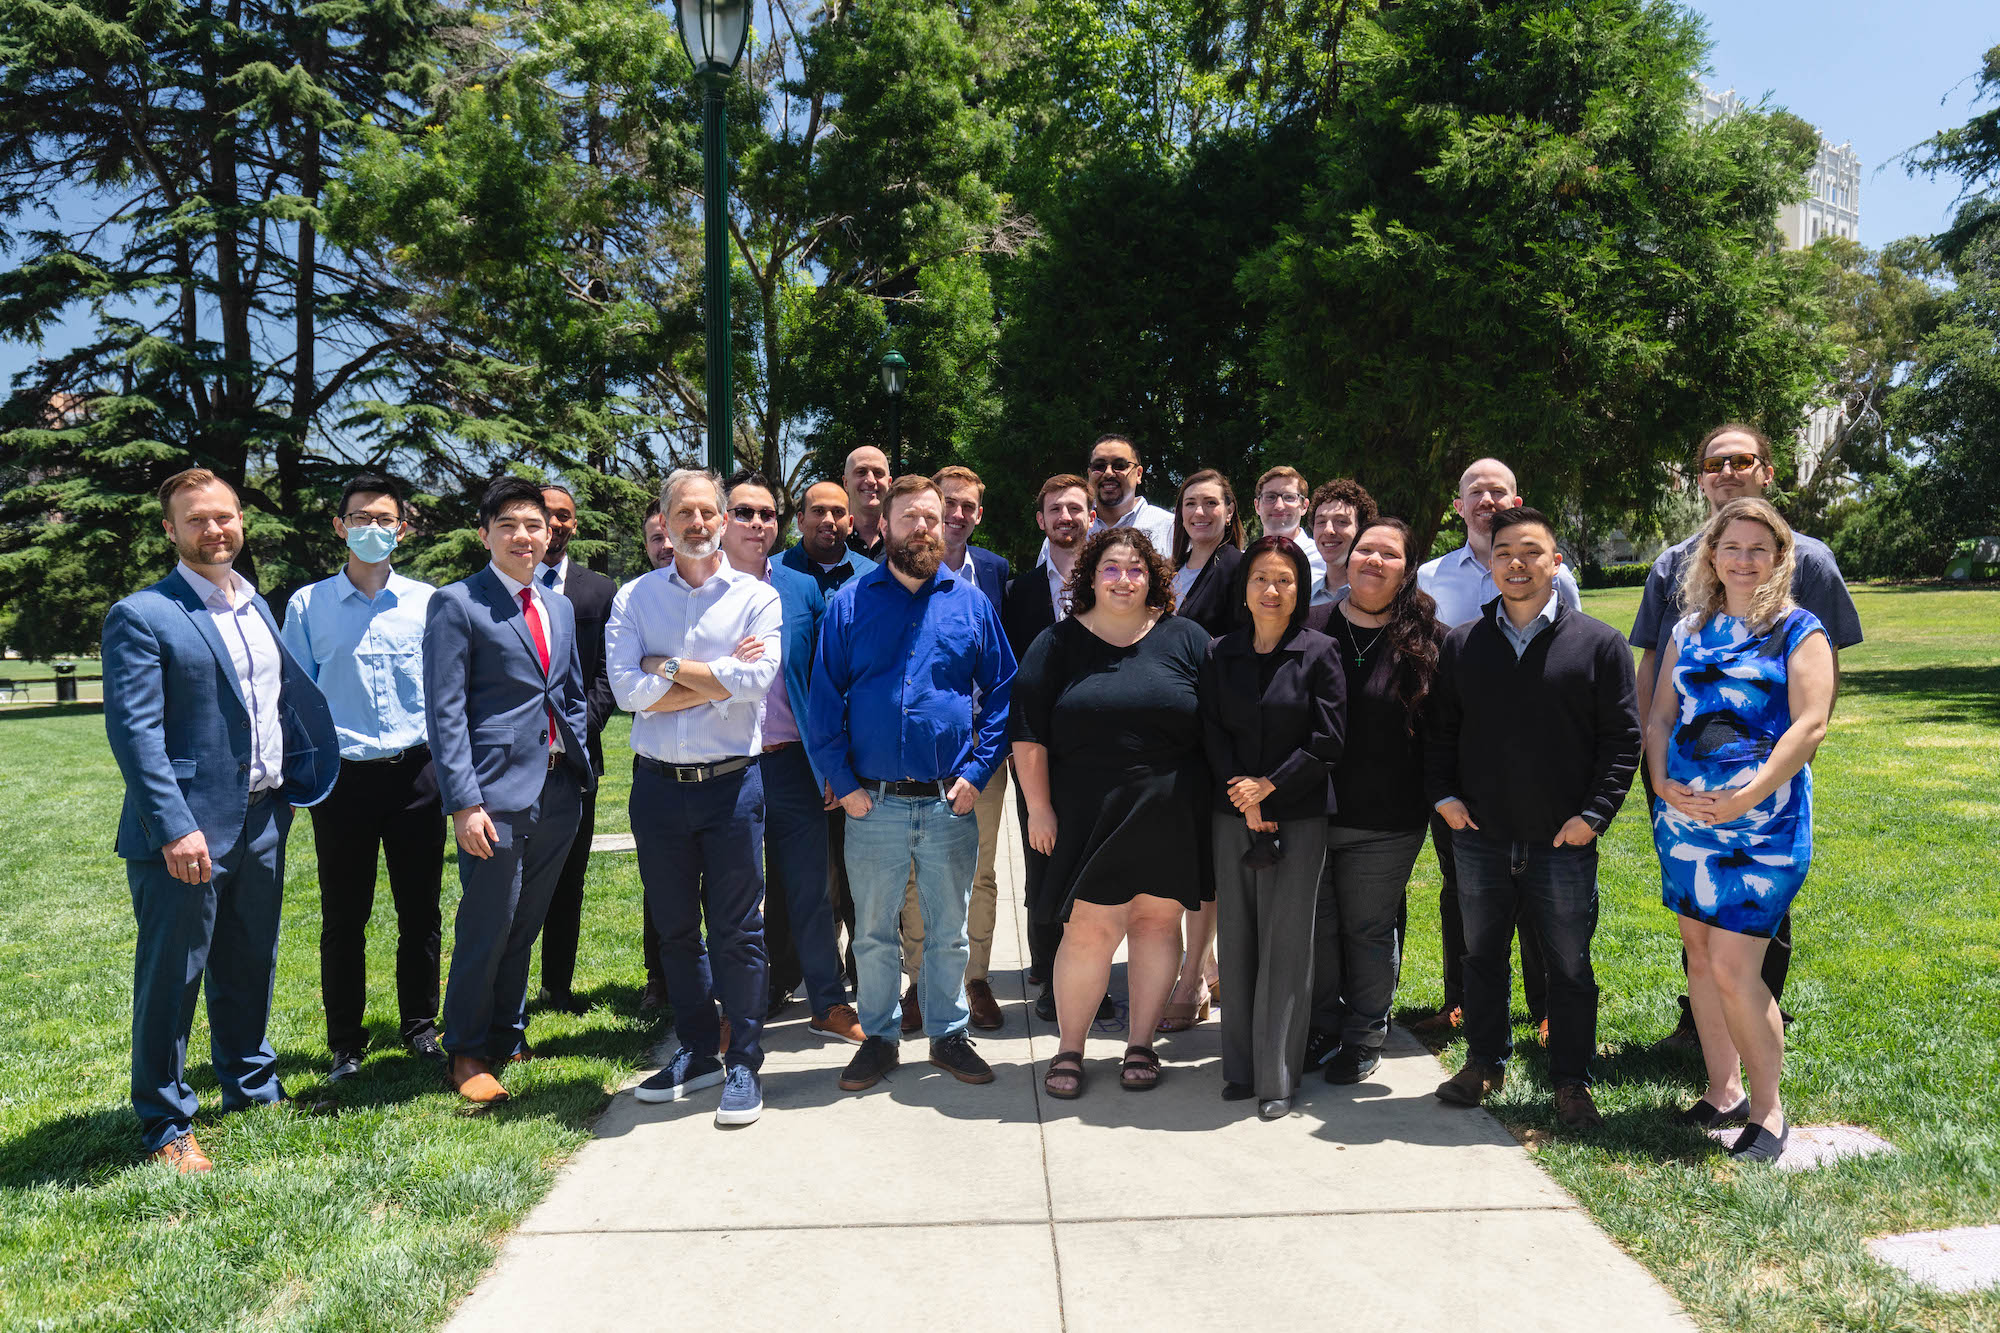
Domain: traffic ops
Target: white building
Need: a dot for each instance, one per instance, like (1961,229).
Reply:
(1833,208)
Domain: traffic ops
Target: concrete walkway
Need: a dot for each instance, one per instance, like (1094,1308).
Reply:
(926,1203)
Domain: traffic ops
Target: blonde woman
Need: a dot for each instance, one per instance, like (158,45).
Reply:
(1728,745)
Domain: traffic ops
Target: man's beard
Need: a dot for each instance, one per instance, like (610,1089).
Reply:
(1113,491)
(1068,541)
(695,550)
(558,544)
(918,557)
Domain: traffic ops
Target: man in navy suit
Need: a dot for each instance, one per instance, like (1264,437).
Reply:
(963,493)
(218,733)
(504,707)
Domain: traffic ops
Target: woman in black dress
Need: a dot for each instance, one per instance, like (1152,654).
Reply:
(1107,749)
(1273,711)
(1387,631)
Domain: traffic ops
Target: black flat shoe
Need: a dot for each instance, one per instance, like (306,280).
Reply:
(1703,1116)
(1757,1144)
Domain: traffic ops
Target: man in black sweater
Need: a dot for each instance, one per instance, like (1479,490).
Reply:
(1535,745)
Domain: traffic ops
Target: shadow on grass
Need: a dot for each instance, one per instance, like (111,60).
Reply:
(80,1148)
(1945,694)
(49,710)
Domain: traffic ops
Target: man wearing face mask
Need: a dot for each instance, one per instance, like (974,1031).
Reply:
(360,635)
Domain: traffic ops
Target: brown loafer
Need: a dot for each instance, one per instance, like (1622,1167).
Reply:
(985,1009)
(183,1155)
(1444,1020)
(913,1013)
(1472,1085)
(472,1080)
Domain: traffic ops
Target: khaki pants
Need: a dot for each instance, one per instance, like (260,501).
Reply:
(990,811)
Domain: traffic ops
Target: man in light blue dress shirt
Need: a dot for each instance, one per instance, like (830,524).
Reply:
(360,635)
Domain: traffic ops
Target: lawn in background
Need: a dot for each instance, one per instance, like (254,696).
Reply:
(1895,985)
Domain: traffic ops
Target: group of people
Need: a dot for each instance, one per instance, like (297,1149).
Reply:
(1226,754)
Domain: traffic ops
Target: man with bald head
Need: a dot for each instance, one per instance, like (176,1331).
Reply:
(1461,583)
(867,484)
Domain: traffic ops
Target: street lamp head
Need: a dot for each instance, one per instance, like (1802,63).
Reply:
(713,31)
(894,369)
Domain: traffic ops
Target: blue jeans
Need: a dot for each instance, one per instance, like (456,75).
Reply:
(881,846)
(1554,891)
(795,894)
(699,846)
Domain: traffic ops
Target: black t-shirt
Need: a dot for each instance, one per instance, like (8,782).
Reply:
(1098,705)
(1379,782)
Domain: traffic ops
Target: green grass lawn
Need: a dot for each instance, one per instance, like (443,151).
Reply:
(383,1208)
(1895,983)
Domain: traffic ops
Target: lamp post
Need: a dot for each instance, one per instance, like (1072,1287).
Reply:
(714,31)
(894,371)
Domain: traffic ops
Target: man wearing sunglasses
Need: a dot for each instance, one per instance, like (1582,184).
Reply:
(1115,473)
(1734,461)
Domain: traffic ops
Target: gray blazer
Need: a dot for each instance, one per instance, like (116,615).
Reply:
(486,701)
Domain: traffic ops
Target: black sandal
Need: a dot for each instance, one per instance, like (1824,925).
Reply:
(1066,1064)
(1141,1070)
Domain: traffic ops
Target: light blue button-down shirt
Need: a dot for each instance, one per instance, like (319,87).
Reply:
(1519,639)
(1462,587)
(368,657)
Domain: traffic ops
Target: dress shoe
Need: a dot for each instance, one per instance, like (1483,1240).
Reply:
(1575,1107)
(346,1064)
(183,1155)
(472,1080)
(522,1056)
(564,1003)
(877,1056)
(985,1009)
(1045,1005)
(913,1013)
(840,1021)
(654,996)
(1472,1085)
(425,1046)
(1275,1109)
(1444,1020)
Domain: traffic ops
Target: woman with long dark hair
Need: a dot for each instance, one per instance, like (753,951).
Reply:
(1273,711)
(1208,544)
(1387,634)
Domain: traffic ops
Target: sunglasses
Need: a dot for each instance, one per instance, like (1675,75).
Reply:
(1731,463)
(749,514)
(1118,465)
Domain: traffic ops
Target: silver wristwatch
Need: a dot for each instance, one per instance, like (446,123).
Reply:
(669,669)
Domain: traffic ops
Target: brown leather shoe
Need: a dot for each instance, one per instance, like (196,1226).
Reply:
(1575,1108)
(1472,1085)
(913,1013)
(654,996)
(183,1155)
(840,1021)
(985,1009)
(474,1081)
(1444,1020)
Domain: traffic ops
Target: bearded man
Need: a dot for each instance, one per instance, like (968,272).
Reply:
(906,720)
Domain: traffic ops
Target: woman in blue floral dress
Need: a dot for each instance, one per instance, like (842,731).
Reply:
(1728,746)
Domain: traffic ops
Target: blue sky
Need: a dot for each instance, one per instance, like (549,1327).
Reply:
(1881,76)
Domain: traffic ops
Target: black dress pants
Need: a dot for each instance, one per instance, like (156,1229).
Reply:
(390,805)
(564,925)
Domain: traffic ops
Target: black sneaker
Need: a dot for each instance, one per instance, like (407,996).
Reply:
(1320,1047)
(1352,1064)
(346,1064)
(954,1054)
(425,1046)
(1045,1005)
(877,1056)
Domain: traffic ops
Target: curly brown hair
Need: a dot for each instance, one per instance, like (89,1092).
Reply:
(1082,586)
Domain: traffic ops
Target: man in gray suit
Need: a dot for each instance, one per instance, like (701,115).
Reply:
(504,707)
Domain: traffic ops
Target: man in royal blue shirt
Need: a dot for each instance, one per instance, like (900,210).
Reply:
(906,720)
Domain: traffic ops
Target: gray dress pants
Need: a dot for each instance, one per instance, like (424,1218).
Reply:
(1264,947)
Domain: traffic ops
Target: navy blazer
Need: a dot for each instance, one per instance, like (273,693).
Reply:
(802,603)
(180,730)
(590,595)
(486,701)
(990,571)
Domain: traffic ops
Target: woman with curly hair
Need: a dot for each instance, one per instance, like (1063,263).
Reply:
(1746,686)
(1387,631)
(1107,749)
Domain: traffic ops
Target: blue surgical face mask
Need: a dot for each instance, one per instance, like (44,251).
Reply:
(371,545)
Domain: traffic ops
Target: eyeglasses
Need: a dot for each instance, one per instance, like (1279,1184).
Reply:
(1281,498)
(751,514)
(1731,463)
(361,520)
(1119,465)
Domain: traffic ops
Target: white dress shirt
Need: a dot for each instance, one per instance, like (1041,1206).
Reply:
(661,615)
(1317,562)
(1058,582)
(1462,586)
(253,655)
(514,587)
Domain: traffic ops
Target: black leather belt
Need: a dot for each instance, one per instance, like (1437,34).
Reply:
(912,790)
(418,752)
(695,772)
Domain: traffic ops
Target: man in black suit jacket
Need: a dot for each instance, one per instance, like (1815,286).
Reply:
(589,593)
(1030,606)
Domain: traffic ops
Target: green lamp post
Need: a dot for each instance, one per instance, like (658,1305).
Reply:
(714,32)
(895,371)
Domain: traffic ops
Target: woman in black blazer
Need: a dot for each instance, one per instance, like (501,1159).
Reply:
(1274,713)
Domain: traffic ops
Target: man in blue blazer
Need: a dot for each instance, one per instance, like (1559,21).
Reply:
(504,707)
(218,733)
(799,935)
(964,494)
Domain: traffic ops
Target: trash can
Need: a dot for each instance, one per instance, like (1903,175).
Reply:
(65,682)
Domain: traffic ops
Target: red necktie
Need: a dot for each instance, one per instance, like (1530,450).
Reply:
(541,646)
